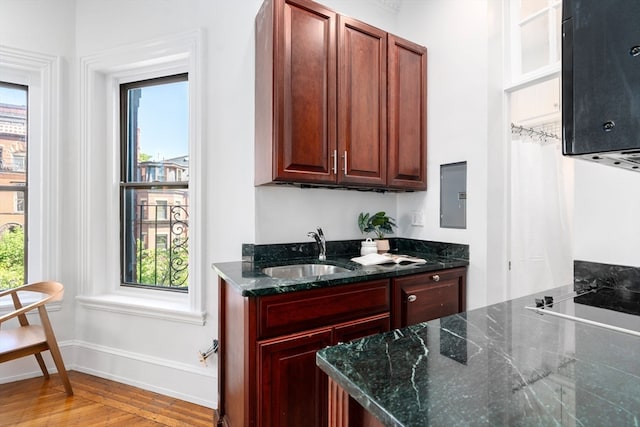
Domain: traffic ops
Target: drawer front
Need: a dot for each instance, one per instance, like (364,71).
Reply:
(299,311)
(422,297)
(433,302)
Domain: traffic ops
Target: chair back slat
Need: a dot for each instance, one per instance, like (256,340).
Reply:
(52,291)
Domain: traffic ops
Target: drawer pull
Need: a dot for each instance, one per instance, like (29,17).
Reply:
(412,298)
(436,278)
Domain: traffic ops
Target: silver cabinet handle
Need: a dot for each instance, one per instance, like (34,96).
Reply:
(412,298)
(435,278)
(345,162)
(335,162)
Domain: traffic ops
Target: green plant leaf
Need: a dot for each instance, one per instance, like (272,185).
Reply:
(378,223)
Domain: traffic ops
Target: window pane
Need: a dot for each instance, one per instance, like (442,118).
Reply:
(540,102)
(13,184)
(535,43)
(156,237)
(12,241)
(158,132)
(155,184)
(529,7)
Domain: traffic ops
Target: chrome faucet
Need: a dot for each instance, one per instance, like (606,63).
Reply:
(318,235)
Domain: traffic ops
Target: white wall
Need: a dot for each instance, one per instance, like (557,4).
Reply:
(47,33)
(607,208)
(153,353)
(286,214)
(455,33)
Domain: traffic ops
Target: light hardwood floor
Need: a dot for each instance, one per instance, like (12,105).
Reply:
(96,402)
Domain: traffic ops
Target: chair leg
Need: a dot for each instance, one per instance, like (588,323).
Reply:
(43,367)
(55,351)
(57,359)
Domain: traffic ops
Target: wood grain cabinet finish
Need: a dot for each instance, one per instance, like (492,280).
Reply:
(323,101)
(293,390)
(267,374)
(362,104)
(295,102)
(422,297)
(407,159)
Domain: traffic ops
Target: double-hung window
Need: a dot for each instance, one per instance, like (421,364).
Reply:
(13,185)
(154,188)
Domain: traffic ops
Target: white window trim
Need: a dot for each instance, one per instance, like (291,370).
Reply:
(98,227)
(41,73)
(516,78)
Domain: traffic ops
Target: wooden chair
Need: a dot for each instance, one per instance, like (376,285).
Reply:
(27,339)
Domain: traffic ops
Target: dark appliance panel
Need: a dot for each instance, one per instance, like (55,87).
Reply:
(601,81)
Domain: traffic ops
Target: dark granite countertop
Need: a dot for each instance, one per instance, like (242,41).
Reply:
(501,365)
(248,278)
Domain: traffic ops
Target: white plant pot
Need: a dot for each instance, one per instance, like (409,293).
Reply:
(368,247)
(382,245)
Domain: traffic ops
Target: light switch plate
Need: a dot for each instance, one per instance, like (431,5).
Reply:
(417,218)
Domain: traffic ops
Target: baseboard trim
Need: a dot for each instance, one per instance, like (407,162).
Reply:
(182,381)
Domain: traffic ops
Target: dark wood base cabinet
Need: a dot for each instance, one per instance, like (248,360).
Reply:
(267,368)
(268,374)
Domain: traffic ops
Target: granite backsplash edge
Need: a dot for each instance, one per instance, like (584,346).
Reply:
(263,253)
(588,275)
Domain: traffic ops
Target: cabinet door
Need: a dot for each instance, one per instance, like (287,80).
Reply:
(362,103)
(428,296)
(305,92)
(407,154)
(292,390)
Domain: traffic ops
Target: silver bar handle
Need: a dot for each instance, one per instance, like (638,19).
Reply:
(345,162)
(335,162)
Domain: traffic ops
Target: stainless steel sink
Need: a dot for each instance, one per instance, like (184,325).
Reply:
(302,270)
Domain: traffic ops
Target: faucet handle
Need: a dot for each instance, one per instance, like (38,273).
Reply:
(320,233)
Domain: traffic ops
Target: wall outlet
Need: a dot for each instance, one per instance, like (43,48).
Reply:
(417,218)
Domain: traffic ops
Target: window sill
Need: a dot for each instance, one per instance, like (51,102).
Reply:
(177,310)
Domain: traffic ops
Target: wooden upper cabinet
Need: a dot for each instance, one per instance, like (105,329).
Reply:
(295,92)
(407,74)
(362,103)
(338,102)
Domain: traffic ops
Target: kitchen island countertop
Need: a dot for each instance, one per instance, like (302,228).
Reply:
(497,365)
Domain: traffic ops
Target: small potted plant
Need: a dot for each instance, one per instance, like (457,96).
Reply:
(378,223)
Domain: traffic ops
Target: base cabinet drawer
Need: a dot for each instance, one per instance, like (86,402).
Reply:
(297,311)
(428,296)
